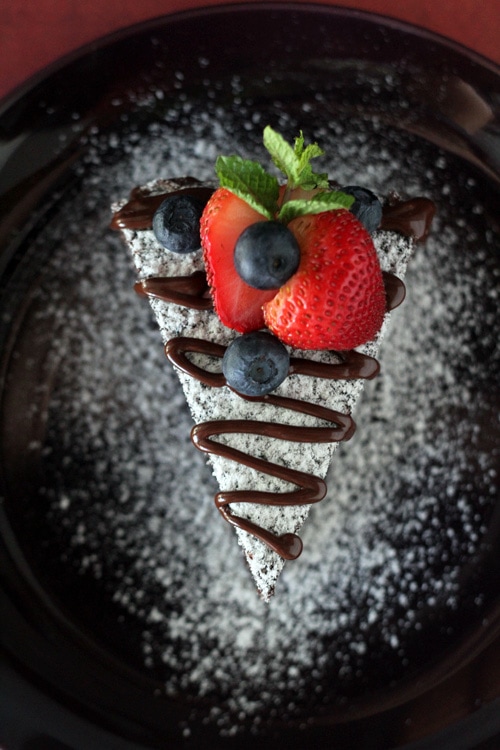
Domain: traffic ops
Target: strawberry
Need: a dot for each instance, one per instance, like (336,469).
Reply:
(336,299)
(238,305)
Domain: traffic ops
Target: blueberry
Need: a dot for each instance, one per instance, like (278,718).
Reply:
(254,364)
(176,223)
(266,254)
(366,207)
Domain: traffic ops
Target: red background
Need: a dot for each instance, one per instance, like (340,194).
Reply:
(34,34)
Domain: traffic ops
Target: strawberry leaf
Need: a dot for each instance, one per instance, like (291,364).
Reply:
(250,182)
(315,205)
(294,162)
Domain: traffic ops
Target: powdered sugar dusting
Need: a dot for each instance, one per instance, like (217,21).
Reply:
(129,500)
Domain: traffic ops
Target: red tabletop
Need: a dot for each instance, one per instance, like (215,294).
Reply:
(33,35)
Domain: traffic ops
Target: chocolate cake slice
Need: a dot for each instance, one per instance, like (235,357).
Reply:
(269,454)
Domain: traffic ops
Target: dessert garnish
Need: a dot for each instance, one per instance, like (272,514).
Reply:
(292,257)
(285,289)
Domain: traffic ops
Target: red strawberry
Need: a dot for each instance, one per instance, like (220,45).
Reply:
(336,299)
(237,304)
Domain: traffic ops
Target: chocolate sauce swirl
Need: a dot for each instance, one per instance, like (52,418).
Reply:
(412,218)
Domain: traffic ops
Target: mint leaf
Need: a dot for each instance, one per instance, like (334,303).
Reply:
(308,180)
(249,181)
(282,154)
(294,162)
(315,205)
(307,153)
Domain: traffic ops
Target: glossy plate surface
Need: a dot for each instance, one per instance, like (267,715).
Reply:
(128,618)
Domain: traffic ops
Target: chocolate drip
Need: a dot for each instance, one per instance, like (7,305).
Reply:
(309,488)
(411,218)
(395,290)
(191,291)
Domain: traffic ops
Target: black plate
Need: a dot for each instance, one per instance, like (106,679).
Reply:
(90,595)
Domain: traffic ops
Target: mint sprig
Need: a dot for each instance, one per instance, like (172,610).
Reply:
(260,189)
(295,162)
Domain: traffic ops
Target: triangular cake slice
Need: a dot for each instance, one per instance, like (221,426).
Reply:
(270,455)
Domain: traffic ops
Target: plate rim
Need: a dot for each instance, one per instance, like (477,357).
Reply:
(138,28)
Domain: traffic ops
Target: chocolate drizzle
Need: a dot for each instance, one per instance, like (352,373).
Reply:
(395,290)
(309,488)
(191,291)
(138,212)
(412,218)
